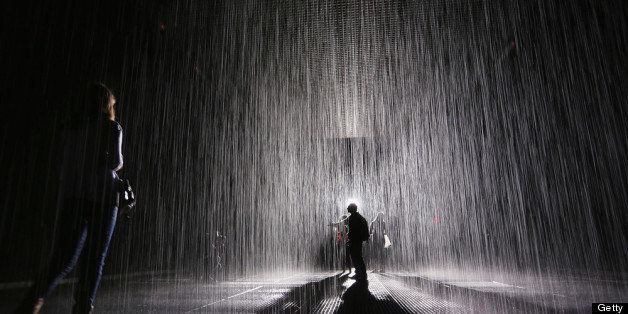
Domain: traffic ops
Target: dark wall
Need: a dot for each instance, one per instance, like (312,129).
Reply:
(50,51)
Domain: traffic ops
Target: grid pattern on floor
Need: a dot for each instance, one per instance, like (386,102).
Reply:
(385,295)
(328,305)
(414,300)
(264,296)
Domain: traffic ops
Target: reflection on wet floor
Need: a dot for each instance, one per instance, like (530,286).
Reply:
(383,294)
(333,292)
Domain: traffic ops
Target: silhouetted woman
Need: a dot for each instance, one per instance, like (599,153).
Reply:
(86,220)
(340,240)
(378,233)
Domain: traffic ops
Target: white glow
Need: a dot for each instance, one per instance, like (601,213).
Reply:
(353,201)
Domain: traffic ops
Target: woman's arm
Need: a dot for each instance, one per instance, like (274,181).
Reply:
(115,161)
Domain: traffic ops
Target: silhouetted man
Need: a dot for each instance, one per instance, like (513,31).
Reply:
(358,232)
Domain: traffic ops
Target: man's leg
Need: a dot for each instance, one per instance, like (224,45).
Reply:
(100,231)
(347,258)
(358,260)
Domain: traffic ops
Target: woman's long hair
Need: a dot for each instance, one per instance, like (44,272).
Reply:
(100,101)
(379,214)
(94,102)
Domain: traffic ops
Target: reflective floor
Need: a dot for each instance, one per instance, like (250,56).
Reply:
(429,291)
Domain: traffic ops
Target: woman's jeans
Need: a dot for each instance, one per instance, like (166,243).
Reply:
(83,232)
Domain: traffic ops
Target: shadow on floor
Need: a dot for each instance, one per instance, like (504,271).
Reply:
(357,298)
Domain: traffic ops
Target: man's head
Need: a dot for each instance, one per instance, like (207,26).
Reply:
(352,208)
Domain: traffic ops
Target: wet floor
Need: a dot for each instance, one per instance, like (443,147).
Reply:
(332,292)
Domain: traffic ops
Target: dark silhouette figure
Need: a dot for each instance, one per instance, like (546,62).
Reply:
(378,235)
(218,248)
(358,232)
(89,190)
(340,240)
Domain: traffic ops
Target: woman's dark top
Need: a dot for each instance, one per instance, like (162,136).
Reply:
(92,153)
(378,230)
